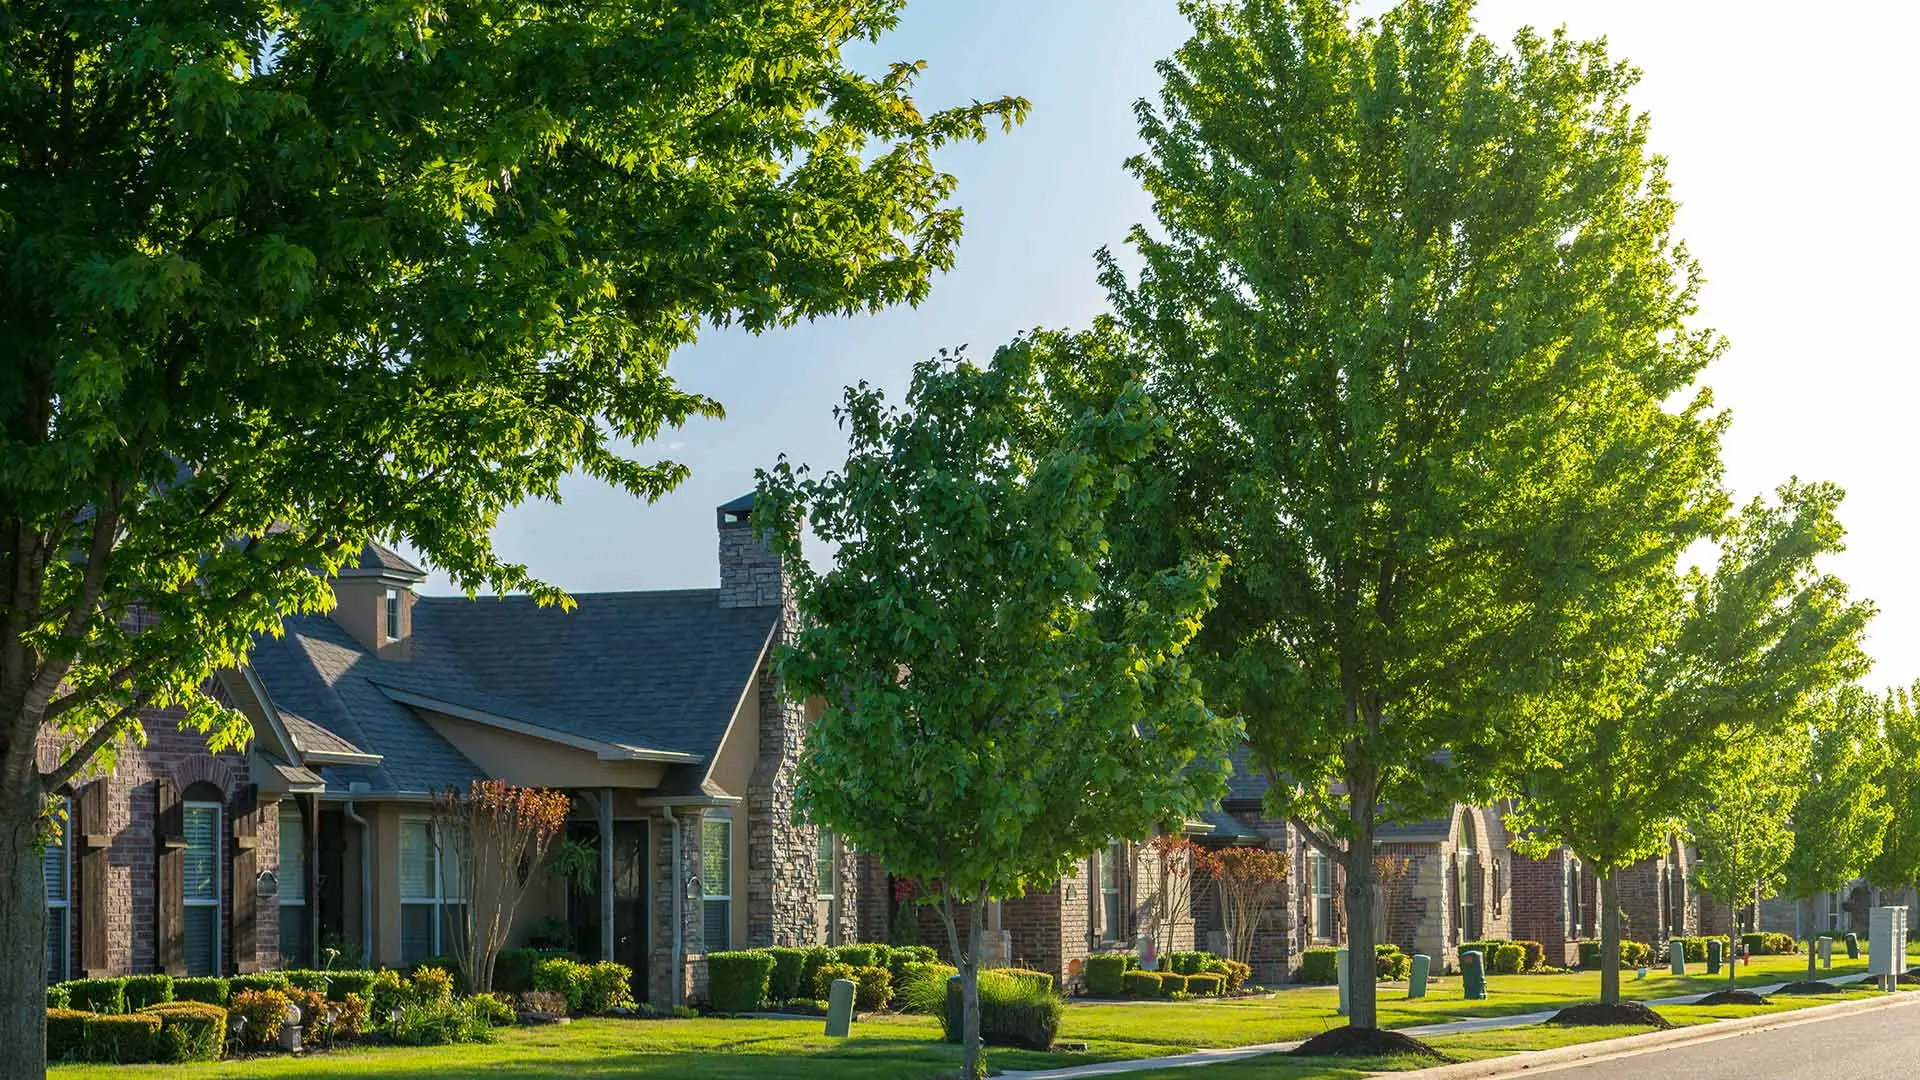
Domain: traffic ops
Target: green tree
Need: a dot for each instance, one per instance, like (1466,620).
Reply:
(1897,863)
(1414,309)
(1842,815)
(276,278)
(1000,700)
(1679,673)
(1744,828)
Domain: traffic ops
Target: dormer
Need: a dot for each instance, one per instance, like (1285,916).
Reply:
(373,600)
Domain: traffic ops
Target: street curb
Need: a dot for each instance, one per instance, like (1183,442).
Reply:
(1540,1061)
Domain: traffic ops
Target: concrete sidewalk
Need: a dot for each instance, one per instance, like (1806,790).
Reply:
(1241,1053)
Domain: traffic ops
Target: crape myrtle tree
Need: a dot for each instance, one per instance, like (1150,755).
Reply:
(488,841)
(1841,814)
(1896,864)
(1675,674)
(1415,312)
(1000,699)
(277,278)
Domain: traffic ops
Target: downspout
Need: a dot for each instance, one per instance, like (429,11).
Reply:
(366,882)
(679,921)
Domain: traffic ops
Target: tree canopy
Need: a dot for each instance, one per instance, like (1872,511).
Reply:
(1842,813)
(1001,699)
(1897,863)
(1415,310)
(278,278)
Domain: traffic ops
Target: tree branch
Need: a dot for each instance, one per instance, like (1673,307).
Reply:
(113,728)
(106,524)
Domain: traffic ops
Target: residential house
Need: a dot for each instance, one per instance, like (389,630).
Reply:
(658,713)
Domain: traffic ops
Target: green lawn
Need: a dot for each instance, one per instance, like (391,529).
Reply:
(907,1048)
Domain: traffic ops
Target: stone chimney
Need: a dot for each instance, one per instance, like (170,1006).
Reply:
(373,601)
(750,573)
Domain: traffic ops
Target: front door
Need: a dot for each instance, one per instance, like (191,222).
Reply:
(630,861)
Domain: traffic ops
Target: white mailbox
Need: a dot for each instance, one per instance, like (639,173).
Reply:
(1887,944)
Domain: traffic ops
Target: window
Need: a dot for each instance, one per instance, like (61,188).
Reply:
(829,871)
(293,885)
(393,614)
(716,882)
(1110,863)
(56,866)
(1570,898)
(432,898)
(1320,895)
(201,889)
(1834,911)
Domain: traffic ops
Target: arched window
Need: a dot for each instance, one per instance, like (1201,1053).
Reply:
(1570,898)
(1473,882)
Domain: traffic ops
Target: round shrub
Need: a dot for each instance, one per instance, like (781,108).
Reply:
(104,996)
(1508,958)
(1013,1012)
(1390,963)
(256,1016)
(857,956)
(207,989)
(386,994)
(1533,954)
(828,974)
(1171,983)
(817,957)
(1105,974)
(1237,975)
(66,1034)
(126,1039)
(494,1008)
(563,976)
(872,988)
(899,956)
(57,997)
(784,983)
(1143,984)
(1317,965)
(145,990)
(1205,983)
(189,1031)
(431,985)
(737,982)
(609,986)
(350,1016)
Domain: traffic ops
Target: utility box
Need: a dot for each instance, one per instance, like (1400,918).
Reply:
(1887,945)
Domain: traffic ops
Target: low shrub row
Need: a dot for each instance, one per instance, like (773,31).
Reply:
(588,989)
(1505,957)
(135,993)
(1105,974)
(1015,1010)
(1633,954)
(1320,964)
(165,1032)
(747,979)
(1767,944)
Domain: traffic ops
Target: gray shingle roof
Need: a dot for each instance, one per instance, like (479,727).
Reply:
(377,557)
(1248,785)
(659,671)
(1229,829)
(310,738)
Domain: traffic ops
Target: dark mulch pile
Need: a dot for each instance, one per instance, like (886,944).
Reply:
(1910,978)
(1368,1042)
(1598,1015)
(1733,997)
(1804,987)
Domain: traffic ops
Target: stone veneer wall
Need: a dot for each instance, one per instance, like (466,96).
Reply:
(131,918)
(668,879)
(782,875)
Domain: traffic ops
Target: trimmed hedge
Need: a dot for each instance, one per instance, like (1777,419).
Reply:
(1040,979)
(828,974)
(1206,983)
(106,997)
(1171,983)
(872,988)
(124,1039)
(1632,955)
(258,1016)
(557,975)
(57,997)
(1143,984)
(817,957)
(1533,955)
(1105,974)
(145,990)
(1318,965)
(264,980)
(784,983)
(189,1031)
(1013,1012)
(342,983)
(737,981)
(66,1034)
(859,956)
(208,989)
(315,981)
(1389,963)
(609,987)
(1768,944)
(899,956)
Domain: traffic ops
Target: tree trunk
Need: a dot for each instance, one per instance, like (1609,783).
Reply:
(1609,936)
(1361,1011)
(973,1063)
(23,923)
(1733,943)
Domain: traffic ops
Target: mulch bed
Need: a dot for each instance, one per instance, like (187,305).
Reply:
(1910,978)
(1367,1042)
(1733,997)
(1595,1014)
(1804,987)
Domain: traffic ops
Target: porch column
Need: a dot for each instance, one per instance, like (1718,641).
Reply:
(312,884)
(606,873)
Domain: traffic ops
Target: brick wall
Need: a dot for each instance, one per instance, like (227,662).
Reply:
(130,911)
(1538,906)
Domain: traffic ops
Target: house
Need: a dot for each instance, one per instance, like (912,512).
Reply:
(658,713)
(1837,912)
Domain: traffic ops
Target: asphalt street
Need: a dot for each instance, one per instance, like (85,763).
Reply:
(1879,1045)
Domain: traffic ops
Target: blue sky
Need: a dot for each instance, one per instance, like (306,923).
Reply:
(1790,140)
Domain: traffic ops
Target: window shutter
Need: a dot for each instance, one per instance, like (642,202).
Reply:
(169,846)
(90,838)
(244,908)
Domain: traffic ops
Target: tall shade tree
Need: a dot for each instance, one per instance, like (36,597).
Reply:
(1744,828)
(1414,310)
(1001,700)
(1675,676)
(1841,817)
(276,278)
(1897,864)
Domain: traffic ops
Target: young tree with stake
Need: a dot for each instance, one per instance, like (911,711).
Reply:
(1000,699)
(1415,311)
